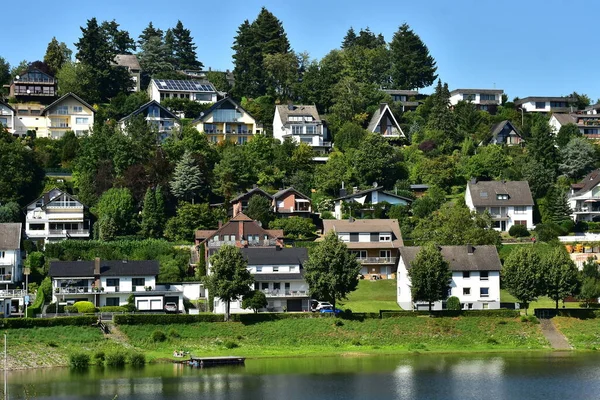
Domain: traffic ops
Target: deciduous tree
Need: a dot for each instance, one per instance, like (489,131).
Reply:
(522,275)
(255,300)
(430,276)
(561,277)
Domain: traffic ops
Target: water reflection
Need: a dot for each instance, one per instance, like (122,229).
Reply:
(512,376)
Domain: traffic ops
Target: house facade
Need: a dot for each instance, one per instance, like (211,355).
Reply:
(363,200)
(407,98)
(508,202)
(227,120)
(56,215)
(279,273)
(7,116)
(131,63)
(546,104)
(302,124)
(34,86)
(485,99)
(200,91)
(69,113)
(11,269)
(584,198)
(475,277)
(588,124)
(384,123)
(158,117)
(290,202)
(375,242)
(111,283)
(239,203)
(505,133)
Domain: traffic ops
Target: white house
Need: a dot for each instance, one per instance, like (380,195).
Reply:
(584,198)
(111,283)
(56,215)
(505,133)
(302,124)
(588,124)
(484,99)
(363,200)
(407,98)
(278,272)
(475,277)
(227,120)
(69,113)
(158,117)
(200,91)
(10,254)
(385,123)
(546,104)
(7,116)
(508,202)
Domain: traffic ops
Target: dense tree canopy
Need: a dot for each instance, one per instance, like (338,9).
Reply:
(430,276)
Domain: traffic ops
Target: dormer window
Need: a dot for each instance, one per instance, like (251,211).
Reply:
(385,237)
(483,195)
(501,196)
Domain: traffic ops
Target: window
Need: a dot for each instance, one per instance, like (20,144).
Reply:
(466,274)
(487,97)
(138,281)
(112,282)
(258,269)
(228,128)
(484,275)
(77,109)
(265,285)
(306,140)
(387,254)
(296,129)
(466,291)
(311,129)
(540,104)
(591,131)
(486,306)
(209,128)
(470,306)
(62,110)
(469,97)
(112,301)
(483,194)
(242,140)
(360,253)
(502,196)
(520,209)
(37,227)
(385,237)
(484,292)
(276,285)
(520,222)
(4,121)
(2,254)
(295,118)
(275,269)
(495,211)
(203,97)
(81,121)
(558,104)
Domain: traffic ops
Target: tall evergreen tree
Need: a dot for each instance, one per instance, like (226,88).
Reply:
(56,55)
(349,39)
(119,39)
(184,50)
(412,65)
(153,213)
(441,117)
(187,178)
(149,32)
(155,56)
(93,47)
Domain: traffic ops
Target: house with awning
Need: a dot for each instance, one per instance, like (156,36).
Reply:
(584,198)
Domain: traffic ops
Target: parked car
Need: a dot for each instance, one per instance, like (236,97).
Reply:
(326,310)
(318,305)
(171,307)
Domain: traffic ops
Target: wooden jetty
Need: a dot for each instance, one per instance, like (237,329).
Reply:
(212,361)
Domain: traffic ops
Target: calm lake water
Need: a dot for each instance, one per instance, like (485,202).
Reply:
(509,376)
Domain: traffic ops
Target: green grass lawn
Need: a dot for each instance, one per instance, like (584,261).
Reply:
(372,296)
(583,334)
(542,302)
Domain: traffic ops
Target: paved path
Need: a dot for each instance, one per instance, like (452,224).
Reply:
(554,336)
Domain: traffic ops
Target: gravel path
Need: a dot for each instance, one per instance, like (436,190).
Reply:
(555,337)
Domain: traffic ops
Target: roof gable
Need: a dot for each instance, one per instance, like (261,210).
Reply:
(500,127)
(361,193)
(481,258)
(226,103)
(10,236)
(250,193)
(145,107)
(383,110)
(289,190)
(63,98)
(485,193)
(7,106)
(589,182)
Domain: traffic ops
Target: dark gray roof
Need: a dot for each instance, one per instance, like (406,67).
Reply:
(127,60)
(376,118)
(484,193)
(483,258)
(79,99)
(290,189)
(10,236)
(251,192)
(272,256)
(565,119)
(534,98)
(145,106)
(497,128)
(375,189)
(278,277)
(592,107)
(7,105)
(204,114)
(475,91)
(107,268)
(590,181)
(401,92)
(301,110)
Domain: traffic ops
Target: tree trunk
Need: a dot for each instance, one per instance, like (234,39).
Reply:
(557,303)
(227,311)
(429,308)
(526,307)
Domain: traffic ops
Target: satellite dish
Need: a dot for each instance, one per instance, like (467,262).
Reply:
(17,77)
(374,184)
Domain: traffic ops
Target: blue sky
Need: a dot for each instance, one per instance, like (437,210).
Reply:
(527,47)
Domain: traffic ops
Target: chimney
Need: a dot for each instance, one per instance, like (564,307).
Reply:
(220,224)
(351,219)
(473,181)
(240,229)
(343,191)
(97,266)
(470,248)
(290,106)
(354,189)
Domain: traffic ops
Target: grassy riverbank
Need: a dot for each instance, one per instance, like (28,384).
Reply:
(583,334)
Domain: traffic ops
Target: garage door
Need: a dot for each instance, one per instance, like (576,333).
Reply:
(156,304)
(294,305)
(142,305)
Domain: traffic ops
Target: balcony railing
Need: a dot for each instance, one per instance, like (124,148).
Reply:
(285,293)
(12,293)
(377,260)
(6,278)
(73,290)
(69,231)
(587,210)
(33,80)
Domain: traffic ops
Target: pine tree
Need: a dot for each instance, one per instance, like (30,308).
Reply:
(558,208)
(56,55)
(441,117)
(93,47)
(412,65)
(187,178)
(119,40)
(149,32)
(270,33)
(149,215)
(155,56)
(184,49)
(349,39)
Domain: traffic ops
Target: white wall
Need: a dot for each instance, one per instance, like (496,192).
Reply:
(125,283)
(10,260)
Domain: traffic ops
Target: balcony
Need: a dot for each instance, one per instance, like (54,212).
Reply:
(73,290)
(70,232)
(377,260)
(285,293)
(6,278)
(14,293)
(25,79)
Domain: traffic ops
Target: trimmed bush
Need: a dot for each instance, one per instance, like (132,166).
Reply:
(44,292)
(113,309)
(500,313)
(158,336)
(71,309)
(14,323)
(99,357)
(115,359)
(137,359)
(231,344)
(79,360)
(173,333)
(517,231)
(85,307)
(453,303)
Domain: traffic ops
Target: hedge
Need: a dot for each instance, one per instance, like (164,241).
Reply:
(44,291)
(500,313)
(14,323)
(160,319)
(113,309)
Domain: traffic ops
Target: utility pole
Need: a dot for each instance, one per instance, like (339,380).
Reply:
(5,367)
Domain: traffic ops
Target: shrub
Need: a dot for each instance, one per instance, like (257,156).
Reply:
(71,309)
(99,357)
(356,342)
(7,323)
(492,340)
(166,319)
(137,359)
(79,360)
(115,359)
(113,309)
(453,303)
(230,344)
(530,318)
(173,333)
(339,322)
(158,336)
(416,347)
(85,307)
(518,231)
